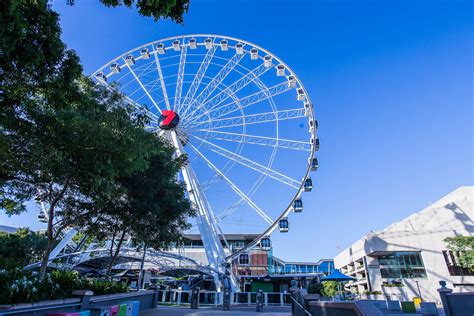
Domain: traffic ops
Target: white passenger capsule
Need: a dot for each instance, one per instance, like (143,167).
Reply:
(308,108)
(145,53)
(224,45)
(208,43)
(160,48)
(42,217)
(291,82)
(280,70)
(192,43)
(101,76)
(239,47)
(312,126)
(130,60)
(176,45)
(115,68)
(254,53)
(267,61)
(300,95)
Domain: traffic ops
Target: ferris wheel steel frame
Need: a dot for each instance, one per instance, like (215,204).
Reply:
(207,111)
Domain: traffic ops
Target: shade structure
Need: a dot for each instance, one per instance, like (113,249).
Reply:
(337,276)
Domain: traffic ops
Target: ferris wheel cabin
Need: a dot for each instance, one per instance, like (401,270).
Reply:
(160,48)
(291,82)
(192,43)
(130,60)
(300,95)
(145,53)
(224,45)
(280,70)
(266,244)
(308,108)
(308,185)
(42,217)
(101,76)
(239,47)
(267,61)
(283,225)
(254,53)
(208,43)
(115,68)
(315,143)
(314,164)
(176,46)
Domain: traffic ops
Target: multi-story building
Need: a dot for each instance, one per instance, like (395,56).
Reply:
(408,258)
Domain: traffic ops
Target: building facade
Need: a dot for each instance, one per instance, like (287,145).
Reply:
(408,258)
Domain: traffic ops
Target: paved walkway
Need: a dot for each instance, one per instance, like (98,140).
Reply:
(235,310)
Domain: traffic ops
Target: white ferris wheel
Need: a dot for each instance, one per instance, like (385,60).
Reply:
(245,121)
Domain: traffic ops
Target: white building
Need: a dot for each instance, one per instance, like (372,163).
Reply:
(408,258)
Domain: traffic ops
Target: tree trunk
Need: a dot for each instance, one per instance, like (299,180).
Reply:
(114,257)
(49,231)
(45,259)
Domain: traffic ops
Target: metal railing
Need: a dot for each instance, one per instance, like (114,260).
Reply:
(183,297)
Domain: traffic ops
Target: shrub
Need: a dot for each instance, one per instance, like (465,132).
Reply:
(315,288)
(19,286)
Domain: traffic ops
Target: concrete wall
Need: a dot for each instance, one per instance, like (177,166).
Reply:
(423,232)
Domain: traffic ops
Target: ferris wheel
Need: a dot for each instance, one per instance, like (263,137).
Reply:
(243,118)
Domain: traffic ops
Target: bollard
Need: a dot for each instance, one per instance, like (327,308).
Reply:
(443,290)
(259,300)
(195,298)
(226,300)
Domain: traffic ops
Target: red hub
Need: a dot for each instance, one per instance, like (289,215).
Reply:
(168,120)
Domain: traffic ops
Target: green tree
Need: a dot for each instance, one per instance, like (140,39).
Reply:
(463,248)
(65,141)
(163,203)
(158,9)
(330,288)
(21,248)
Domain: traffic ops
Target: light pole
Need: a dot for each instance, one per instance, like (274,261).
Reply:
(418,286)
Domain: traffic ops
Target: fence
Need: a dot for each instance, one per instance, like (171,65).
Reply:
(182,297)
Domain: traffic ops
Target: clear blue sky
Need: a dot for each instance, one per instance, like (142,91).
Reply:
(392,86)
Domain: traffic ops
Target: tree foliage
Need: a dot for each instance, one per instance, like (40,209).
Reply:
(329,288)
(463,246)
(73,145)
(21,248)
(158,9)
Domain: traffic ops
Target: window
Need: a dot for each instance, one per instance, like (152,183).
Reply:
(452,262)
(407,265)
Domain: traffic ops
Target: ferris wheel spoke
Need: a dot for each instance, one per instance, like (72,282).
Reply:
(248,100)
(235,188)
(162,81)
(179,80)
(198,77)
(212,85)
(235,87)
(258,140)
(253,119)
(143,87)
(133,103)
(250,164)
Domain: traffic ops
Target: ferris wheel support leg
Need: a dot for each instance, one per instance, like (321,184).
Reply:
(205,220)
